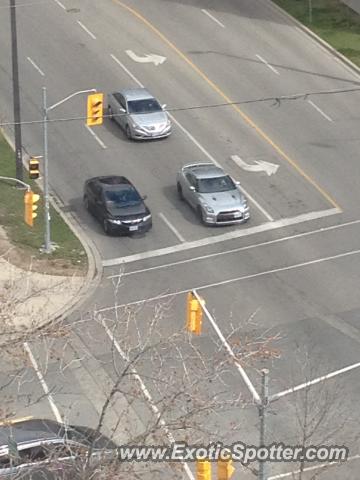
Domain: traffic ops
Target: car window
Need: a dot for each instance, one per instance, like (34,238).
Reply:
(121,198)
(191,179)
(217,184)
(147,105)
(120,99)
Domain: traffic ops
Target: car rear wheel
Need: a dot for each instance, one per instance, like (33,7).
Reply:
(128,132)
(179,190)
(110,112)
(86,202)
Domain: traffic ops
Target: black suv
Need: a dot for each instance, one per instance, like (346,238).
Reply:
(116,203)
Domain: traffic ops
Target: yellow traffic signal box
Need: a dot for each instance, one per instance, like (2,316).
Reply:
(34,171)
(95,106)
(30,200)
(194,314)
(225,469)
(203,470)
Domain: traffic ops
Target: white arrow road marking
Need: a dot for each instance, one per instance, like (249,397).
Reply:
(260,165)
(148,58)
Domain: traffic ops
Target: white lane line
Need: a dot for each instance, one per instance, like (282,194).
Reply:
(43,383)
(264,227)
(100,142)
(193,139)
(237,279)
(212,17)
(320,111)
(276,396)
(242,372)
(127,71)
(60,4)
(146,394)
(36,67)
(310,469)
(86,30)
(235,250)
(267,64)
(172,228)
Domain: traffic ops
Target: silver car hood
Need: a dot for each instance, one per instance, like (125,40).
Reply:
(230,200)
(149,119)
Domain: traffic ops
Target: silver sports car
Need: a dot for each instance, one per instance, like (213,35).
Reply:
(215,196)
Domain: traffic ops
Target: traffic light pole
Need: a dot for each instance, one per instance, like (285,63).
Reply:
(262,415)
(48,246)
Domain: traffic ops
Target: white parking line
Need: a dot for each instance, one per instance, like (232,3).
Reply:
(237,279)
(43,383)
(132,371)
(35,66)
(235,250)
(242,372)
(267,64)
(86,30)
(100,142)
(126,70)
(60,4)
(172,228)
(212,17)
(320,111)
(264,227)
(193,139)
(310,469)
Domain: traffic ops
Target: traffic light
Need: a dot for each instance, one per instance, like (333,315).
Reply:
(225,469)
(95,105)
(30,200)
(203,470)
(193,314)
(34,171)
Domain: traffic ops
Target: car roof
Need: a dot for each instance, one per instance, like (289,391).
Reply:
(205,170)
(109,181)
(135,93)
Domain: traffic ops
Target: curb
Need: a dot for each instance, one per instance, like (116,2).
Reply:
(351,66)
(95,269)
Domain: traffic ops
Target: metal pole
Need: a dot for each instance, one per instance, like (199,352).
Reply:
(262,415)
(47,244)
(310,11)
(16,92)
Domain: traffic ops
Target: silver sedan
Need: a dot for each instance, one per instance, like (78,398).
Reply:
(215,196)
(139,114)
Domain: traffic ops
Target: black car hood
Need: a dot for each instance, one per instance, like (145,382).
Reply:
(128,211)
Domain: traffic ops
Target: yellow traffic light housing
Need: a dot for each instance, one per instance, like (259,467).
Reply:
(30,199)
(225,469)
(95,106)
(203,470)
(34,171)
(194,314)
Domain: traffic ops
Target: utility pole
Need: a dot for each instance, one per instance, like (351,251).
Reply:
(16,92)
(48,247)
(262,415)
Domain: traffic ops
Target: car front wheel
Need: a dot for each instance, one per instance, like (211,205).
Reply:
(128,132)
(201,215)
(110,112)
(106,227)
(180,192)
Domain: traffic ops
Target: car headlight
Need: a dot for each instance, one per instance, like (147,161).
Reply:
(207,208)
(116,222)
(147,217)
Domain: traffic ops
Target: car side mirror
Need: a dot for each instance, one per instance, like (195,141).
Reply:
(163,106)
(192,188)
(122,110)
(144,197)
(237,183)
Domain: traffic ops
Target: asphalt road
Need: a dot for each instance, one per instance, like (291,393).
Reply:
(293,269)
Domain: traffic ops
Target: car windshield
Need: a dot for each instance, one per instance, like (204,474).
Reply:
(147,105)
(122,197)
(216,184)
